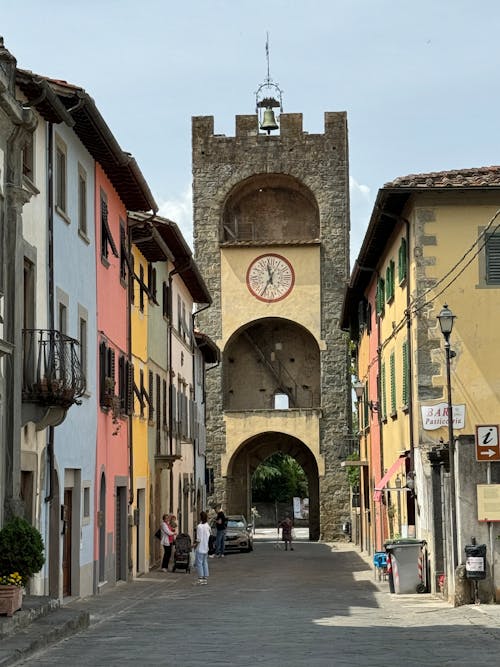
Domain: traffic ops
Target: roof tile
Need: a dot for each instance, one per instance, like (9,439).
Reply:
(456,178)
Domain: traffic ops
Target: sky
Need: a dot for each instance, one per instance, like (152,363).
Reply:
(419,80)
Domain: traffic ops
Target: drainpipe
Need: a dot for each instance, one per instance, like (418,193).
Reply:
(380,430)
(410,508)
(50,223)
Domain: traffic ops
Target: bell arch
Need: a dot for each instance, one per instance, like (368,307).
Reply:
(270,207)
(254,451)
(269,357)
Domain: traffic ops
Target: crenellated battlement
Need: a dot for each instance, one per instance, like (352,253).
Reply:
(291,126)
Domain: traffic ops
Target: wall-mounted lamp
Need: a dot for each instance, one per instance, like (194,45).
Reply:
(359,388)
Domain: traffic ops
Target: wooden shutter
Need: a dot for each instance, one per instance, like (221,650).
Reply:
(402,268)
(493,259)
(392,361)
(383,393)
(405,378)
(130,387)
(102,371)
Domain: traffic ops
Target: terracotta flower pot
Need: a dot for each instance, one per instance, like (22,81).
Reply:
(11,599)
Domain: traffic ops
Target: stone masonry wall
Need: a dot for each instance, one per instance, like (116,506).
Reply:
(320,162)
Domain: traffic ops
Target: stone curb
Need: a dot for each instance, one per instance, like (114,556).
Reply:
(47,629)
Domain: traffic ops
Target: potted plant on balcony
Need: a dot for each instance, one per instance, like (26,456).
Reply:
(21,556)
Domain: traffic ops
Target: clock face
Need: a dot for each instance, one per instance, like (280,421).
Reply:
(270,277)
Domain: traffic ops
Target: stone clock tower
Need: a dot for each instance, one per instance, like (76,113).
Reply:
(271,231)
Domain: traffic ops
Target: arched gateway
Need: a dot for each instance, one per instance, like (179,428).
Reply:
(271,231)
(255,451)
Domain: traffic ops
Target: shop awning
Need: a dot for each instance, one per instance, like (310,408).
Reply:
(380,486)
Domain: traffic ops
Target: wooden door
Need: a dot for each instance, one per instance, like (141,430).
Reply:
(66,555)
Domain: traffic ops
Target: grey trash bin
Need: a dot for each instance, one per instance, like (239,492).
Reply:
(405,554)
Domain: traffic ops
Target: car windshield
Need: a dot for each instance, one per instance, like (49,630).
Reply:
(234,523)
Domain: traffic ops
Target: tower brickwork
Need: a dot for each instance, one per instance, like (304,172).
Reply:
(279,205)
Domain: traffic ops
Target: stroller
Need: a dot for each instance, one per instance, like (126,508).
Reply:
(182,553)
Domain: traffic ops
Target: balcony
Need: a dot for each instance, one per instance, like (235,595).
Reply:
(52,374)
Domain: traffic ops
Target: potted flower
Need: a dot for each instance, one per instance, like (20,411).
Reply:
(21,556)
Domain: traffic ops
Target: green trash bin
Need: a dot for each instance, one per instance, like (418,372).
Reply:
(406,565)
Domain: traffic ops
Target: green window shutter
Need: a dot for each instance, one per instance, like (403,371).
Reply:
(365,407)
(380,297)
(393,383)
(402,268)
(405,373)
(389,281)
(383,393)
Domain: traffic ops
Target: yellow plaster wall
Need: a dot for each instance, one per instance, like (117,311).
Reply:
(393,333)
(475,371)
(242,426)
(302,305)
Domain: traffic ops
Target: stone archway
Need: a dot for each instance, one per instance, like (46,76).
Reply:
(251,454)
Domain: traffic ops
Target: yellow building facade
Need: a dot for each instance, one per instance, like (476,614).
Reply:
(447,224)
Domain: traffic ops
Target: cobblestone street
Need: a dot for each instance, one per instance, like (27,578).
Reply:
(318,605)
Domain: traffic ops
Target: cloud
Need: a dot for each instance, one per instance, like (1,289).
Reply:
(358,190)
(180,210)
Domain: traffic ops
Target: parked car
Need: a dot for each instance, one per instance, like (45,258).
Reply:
(238,533)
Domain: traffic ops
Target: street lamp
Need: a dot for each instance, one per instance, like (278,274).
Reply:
(359,388)
(446,319)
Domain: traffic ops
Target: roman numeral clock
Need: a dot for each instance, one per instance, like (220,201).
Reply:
(270,277)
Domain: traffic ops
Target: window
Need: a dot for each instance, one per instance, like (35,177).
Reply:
(389,282)
(28,158)
(383,393)
(380,296)
(63,318)
(152,281)
(179,314)
(492,248)
(165,415)
(107,241)
(86,503)
(392,362)
(106,375)
(166,301)
(141,288)
(405,378)
(402,261)
(83,345)
(150,396)
(82,201)
(123,251)
(61,177)
(125,385)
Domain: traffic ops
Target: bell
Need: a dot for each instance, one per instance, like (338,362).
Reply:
(268,121)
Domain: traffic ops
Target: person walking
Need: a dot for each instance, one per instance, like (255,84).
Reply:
(220,537)
(167,539)
(286,532)
(201,545)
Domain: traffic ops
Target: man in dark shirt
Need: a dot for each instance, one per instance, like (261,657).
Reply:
(221,525)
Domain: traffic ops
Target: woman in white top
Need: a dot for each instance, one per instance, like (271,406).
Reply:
(201,544)
(167,538)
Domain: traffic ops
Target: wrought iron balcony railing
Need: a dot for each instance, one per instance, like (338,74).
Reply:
(52,373)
